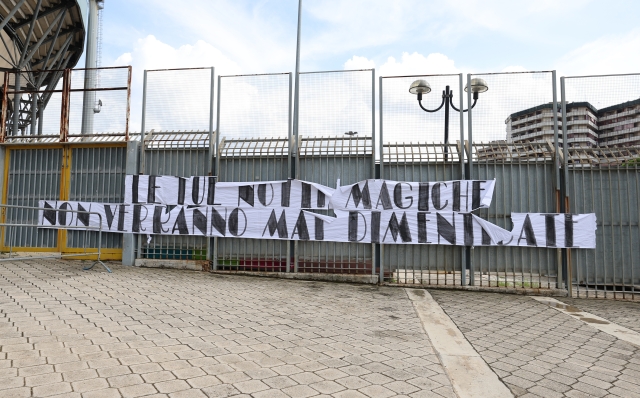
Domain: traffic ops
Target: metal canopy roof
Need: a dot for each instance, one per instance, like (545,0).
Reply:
(40,35)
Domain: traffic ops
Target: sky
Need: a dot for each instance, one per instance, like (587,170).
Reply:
(400,37)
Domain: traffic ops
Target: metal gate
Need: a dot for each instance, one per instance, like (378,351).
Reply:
(79,172)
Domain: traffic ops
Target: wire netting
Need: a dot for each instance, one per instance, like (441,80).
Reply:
(404,121)
(603,177)
(603,110)
(517,107)
(105,111)
(338,103)
(255,106)
(178,100)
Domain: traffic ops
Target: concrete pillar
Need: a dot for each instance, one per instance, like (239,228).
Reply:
(90,75)
(130,241)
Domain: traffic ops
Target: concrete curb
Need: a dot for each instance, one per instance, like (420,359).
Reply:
(469,374)
(603,325)
(342,278)
(485,289)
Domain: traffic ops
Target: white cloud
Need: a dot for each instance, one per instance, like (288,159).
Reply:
(607,55)
(357,62)
(151,53)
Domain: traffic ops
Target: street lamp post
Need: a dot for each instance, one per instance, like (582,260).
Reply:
(421,86)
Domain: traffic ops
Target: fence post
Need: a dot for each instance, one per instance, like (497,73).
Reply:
(143,133)
(214,265)
(564,195)
(557,166)
(211,242)
(472,276)
(129,240)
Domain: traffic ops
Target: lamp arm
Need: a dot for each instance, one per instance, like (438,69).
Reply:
(472,105)
(434,110)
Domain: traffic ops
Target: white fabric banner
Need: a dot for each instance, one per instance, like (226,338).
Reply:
(206,191)
(446,196)
(370,226)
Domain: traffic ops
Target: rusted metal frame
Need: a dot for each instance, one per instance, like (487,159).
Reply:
(3,117)
(126,128)
(65,107)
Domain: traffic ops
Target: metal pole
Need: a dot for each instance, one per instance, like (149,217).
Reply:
(565,274)
(16,104)
(214,258)
(466,252)
(34,111)
(446,124)
(143,133)
(380,247)
(296,111)
(296,98)
(472,277)
(89,74)
(210,163)
(557,166)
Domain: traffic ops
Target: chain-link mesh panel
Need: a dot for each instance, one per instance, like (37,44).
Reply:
(403,121)
(106,111)
(255,106)
(178,100)
(339,103)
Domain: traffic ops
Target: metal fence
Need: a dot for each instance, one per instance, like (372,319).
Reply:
(33,113)
(254,130)
(574,154)
(601,120)
(336,139)
(177,139)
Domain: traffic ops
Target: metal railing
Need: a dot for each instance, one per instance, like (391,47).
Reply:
(8,231)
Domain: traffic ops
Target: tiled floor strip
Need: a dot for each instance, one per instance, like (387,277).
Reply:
(597,322)
(469,374)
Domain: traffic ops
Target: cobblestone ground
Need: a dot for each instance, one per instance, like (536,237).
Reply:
(157,333)
(624,313)
(538,351)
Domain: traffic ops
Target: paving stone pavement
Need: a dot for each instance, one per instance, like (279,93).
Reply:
(538,351)
(137,332)
(624,313)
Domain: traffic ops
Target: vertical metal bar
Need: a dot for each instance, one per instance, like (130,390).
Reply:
(143,148)
(64,114)
(563,187)
(34,110)
(381,151)
(218,151)
(210,166)
(465,252)
(472,281)
(126,127)
(3,116)
(143,126)
(16,104)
